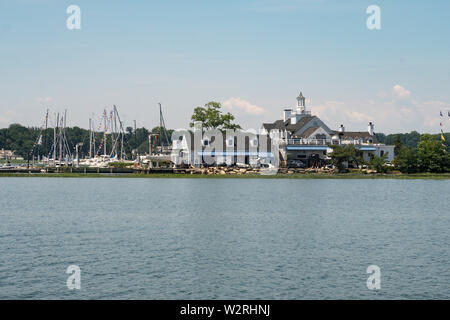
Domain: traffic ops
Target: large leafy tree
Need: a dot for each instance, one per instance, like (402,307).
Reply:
(407,160)
(432,155)
(211,117)
(346,154)
(379,163)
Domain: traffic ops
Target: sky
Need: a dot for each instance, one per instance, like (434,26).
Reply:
(253,56)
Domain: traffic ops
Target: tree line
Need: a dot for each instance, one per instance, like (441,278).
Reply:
(429,154)
(23,140)
(410,140)
(414,152)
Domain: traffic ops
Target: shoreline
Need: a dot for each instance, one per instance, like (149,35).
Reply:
(415,176)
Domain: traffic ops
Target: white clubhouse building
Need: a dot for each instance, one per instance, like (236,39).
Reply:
(298,137)
(303,136)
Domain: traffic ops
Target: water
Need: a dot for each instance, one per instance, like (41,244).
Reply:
(223,238)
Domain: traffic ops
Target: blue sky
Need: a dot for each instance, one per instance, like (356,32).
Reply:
(253,56)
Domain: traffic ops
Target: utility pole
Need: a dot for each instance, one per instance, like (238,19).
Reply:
(77,155)
(150,144)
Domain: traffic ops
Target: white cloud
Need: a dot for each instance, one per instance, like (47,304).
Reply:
(400,93)
(282,6)
(390,114)
(247,107)
(358,116)
(7,117)
(3,121)
(44,99)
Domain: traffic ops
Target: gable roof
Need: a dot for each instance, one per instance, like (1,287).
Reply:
(355,135)
(308,132)
(286,125)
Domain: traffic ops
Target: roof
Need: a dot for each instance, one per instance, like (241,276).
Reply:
(286,125)
(355,135)
(316,148)
(308,132)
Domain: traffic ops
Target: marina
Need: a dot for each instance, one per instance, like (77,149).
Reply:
(300,140)
(224,159)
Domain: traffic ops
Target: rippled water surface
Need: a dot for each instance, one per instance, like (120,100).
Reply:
(223,238)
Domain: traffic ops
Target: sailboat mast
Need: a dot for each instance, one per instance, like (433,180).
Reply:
(54,142)
(44,149)
(66,154)
(104,133)
(90,138)
(60,140)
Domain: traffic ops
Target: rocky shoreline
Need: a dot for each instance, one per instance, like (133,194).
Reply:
(255,171)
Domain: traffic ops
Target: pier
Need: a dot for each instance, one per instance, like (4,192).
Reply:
(86,170)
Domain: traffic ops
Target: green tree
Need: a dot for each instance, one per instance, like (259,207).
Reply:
(211,117)
(432,155)
(398,145)
(166,134)
(379,163)
(407,160)
(346,154)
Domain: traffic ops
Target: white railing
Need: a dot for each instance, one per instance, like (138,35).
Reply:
(322,142)
(353,142)
(309,141)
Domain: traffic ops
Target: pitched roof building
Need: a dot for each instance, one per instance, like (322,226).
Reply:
(305,136)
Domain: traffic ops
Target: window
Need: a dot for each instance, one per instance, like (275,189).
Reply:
(381,153)
(254,142)
(230,142)
(205,142)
